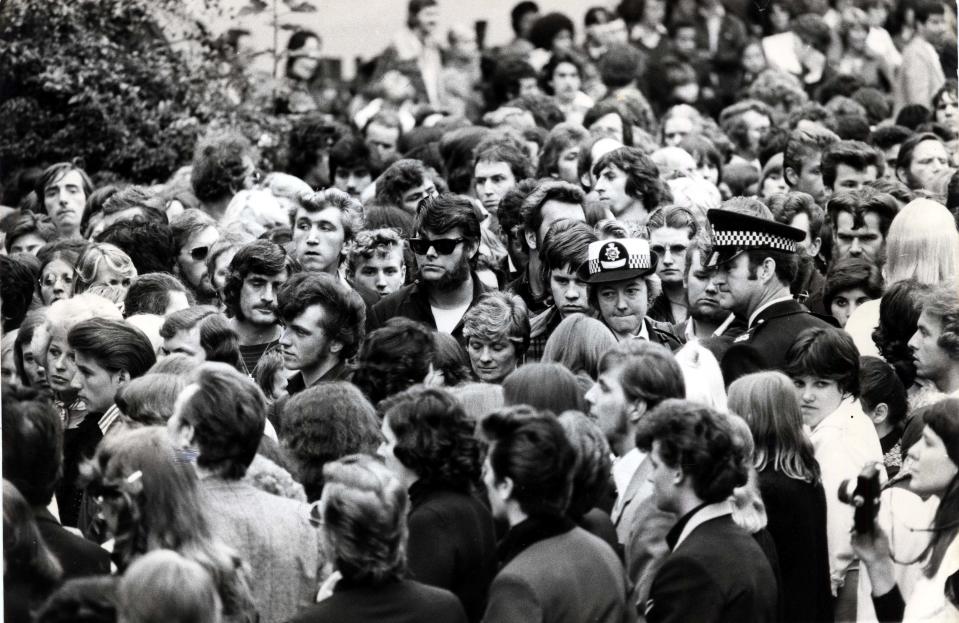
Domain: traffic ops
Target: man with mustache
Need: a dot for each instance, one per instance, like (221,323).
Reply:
(755,260)
(256,274)
(447,240)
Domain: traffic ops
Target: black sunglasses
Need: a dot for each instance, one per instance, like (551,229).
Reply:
(443,246)
(199,254)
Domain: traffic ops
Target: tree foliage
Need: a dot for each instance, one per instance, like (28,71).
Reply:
(100,80)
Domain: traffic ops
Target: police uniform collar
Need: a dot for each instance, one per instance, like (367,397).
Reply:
(755,315)
(733,233)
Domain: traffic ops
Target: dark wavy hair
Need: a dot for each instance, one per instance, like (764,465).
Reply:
(642,175)
(18,279)
(547,27)
(701,441)
(849,273)
(393,358)
(149,293)
(826,353)
(218,166)
(531,448)
(261,257)
(32,444)
(899,312)
(560,138)
(344,313)
(328,421)
(608,107)
(593,465)
(434,437)
(30,223)
(941,418)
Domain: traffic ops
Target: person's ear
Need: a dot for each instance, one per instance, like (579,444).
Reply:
(182,437)
(880,414)
(336,346)
(902,175)
(403,273)
(474,249)
(121,377)
(768,268)
(678,476)
(530,239)
(504,488)
(636,411)
(815,244)
(790,176)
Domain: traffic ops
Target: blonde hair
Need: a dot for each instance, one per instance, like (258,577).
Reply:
(66,313)
(578,342)
(98,254)
(254,212)
(922,244)
(749,512)
(703,377)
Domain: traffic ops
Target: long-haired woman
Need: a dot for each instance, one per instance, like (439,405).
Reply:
(148,500)
(789,481)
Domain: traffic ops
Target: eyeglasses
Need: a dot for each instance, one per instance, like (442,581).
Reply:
(199,254)
(443,246)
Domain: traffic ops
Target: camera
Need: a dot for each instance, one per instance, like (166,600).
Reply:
(863,494)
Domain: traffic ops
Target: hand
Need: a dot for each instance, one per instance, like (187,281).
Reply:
(873,547)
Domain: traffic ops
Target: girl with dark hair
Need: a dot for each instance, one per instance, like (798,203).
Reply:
(302,67)
(898,318)
(934,471)
(393,358)
(30,570)
(792,491)
(824,366)
(148,500)
(429,444)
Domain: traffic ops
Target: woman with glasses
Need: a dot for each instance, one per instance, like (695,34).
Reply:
(497,335)
(58,273)
(147,498)
(362,515)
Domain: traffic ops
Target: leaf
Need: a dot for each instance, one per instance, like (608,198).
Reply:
(302,7)
(253,8)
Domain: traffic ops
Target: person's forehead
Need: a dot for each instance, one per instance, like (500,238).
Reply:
(456,232)
(800,221)
(280,276)
(329,214)
(623,284)
(488,167)
(668,235)
(844,170)
(71,177)
(679,123)
(311,315)
(204,237)
(845,221)
(382,257)
(381,129)
(929,148)
(426,185)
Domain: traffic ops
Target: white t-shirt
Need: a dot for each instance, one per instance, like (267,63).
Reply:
(447,319)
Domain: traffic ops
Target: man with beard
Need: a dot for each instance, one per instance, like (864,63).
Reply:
(256,274)
(194,233)
(755,261)
(447,239)
(323,224)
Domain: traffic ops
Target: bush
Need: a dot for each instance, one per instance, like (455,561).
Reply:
(100,81)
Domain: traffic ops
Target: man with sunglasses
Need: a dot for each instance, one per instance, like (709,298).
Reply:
(754,260)
(194,232)
(447,240)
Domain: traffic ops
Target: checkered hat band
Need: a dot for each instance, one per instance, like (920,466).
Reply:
(752,239)
(632,262)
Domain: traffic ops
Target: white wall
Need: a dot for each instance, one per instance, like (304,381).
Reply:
(352,28)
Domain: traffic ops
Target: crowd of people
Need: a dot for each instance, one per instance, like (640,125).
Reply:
(578,328)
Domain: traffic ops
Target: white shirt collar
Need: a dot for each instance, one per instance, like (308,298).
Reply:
(624,467)
(690,330)
(706,513)
(764,306)
(643,333)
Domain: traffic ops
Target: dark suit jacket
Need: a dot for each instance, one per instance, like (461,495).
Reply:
(78,556)
(729,49)
(766,342)
(405,601)
(452,544)
(718,573)
(413,302)
(571,578)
